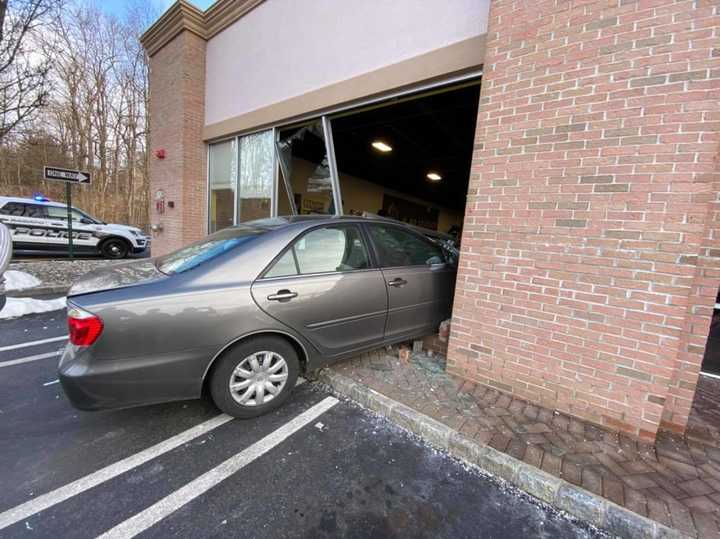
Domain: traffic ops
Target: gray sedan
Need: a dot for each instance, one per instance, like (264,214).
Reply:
(240,314)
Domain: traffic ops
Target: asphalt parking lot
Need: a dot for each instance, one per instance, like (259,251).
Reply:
(318,467)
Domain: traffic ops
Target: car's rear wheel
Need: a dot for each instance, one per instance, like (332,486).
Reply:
(254,377)
(114,248)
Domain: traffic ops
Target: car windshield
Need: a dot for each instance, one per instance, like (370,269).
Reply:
(206,249)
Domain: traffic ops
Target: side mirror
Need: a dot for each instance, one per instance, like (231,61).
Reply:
(86,221)
(437,266)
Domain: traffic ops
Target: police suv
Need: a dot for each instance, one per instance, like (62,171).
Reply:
(40,225)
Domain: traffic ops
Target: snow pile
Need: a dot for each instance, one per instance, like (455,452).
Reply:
(19,280)
(16,307)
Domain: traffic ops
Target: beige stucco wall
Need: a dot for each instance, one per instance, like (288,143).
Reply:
(252,64)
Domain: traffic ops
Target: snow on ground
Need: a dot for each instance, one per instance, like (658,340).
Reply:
(19,280)
(16,307)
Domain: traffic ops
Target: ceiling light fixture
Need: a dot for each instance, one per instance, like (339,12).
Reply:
(434,176)
(380,146)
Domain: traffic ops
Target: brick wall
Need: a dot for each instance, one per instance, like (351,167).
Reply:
(589,258)
(177,110)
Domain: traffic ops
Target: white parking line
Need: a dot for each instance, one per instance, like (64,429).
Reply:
(16,514)
(28,359)
(174,501)
(32,343)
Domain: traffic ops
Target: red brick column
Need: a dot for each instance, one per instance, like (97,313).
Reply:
(589,254)
(177,115)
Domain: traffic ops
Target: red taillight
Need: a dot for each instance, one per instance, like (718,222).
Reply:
(84,328)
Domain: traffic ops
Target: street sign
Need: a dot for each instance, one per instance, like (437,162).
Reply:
(69,177)
(66,175)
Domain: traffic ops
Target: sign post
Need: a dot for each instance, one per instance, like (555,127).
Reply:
(69,177)
(68,201)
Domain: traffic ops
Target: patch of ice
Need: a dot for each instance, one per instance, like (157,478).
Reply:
(19,280)
(17,307)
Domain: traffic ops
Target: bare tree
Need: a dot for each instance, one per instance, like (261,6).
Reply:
(94,117)
(23,74)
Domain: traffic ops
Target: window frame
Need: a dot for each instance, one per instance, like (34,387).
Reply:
(376,251)
(372,263)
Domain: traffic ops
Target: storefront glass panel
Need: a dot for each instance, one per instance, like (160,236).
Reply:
(303,157)
(222,175)
(257,175)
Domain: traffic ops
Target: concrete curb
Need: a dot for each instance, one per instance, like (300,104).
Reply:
(38,291)
(549,489)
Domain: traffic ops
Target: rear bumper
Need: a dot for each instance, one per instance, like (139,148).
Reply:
(106,384)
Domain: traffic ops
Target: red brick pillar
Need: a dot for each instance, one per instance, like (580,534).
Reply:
(589,260)
(177,114)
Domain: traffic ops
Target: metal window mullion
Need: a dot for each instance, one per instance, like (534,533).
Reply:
(208,191)
(276,178)
(284,174)
(332,165)
(237,181)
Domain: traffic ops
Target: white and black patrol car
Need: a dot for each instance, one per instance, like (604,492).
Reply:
(40,225)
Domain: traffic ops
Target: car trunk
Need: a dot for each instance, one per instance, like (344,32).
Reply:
(117,276)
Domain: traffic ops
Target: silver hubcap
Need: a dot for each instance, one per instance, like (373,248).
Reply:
(258,378)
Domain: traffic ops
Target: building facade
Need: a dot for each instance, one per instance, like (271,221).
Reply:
(589,266)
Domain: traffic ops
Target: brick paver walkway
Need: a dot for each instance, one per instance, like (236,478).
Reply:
(676,481)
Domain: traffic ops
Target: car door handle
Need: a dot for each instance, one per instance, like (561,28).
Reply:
(397,282)
(282,295)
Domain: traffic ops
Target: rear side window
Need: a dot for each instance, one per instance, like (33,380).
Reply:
(323,250)
(35,210)
(283,267)
(205,250)
(398,247)
(16,209)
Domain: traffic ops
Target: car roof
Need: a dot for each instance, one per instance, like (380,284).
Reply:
(306,221)
(5,200)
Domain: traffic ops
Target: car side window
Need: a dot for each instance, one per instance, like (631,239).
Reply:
(398,247)
(15,209)
(323,250)
(35,210)
(284,267)
(56,212)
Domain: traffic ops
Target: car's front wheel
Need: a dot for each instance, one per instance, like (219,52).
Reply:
(254,377)
(114,248)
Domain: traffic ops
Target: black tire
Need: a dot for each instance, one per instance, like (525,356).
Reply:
(115,248)
(238,354)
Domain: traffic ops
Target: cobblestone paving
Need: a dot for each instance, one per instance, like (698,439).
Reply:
(676,481)
(704,424)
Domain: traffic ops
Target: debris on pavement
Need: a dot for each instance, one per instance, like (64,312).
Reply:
(444,330)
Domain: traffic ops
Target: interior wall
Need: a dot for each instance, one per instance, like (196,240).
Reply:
(358,194)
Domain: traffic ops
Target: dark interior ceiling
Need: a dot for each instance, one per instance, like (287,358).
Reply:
(433,132)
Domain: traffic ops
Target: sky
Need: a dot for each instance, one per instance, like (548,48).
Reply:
(117,7)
